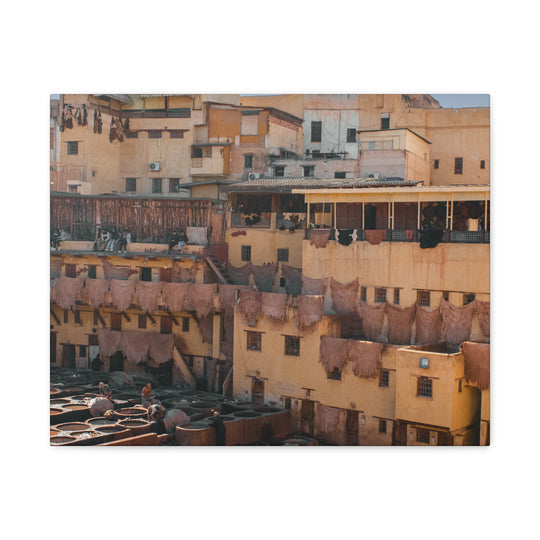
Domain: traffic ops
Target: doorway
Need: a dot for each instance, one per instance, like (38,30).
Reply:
(307,416)
(257,392)
(53,347)
(116,362)
(352,428)
(68,356)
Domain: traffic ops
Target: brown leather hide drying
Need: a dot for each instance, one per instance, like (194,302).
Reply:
(293,279)
(250,304)
(365,357)
(274,305)
(201,298)
(428,326)
(319,237)
(175,296)
(333,352)
(482,312)
(115,272)
(264,276)
(456,321)
(134,345)
(56,268)
(476,363)
(344,296)
(327,418)
(146,295)
(66,291)
(95,290)
(216,222)
(240,274)
(400,323)
(372,319)
(310,310)
(206,327)
(160,347)
(121,293)
(314,286)
(109,341)
(375,236)
(197,235)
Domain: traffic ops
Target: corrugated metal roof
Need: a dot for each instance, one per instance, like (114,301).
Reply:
(279,184)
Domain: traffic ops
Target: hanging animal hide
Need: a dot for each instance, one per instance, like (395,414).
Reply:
(344,296)
(174,296)
(216,222)
(146,295)
(313,286)
(206,327)
(201,298)
(477,363)
(274,305)
(375,236)
(121,293)
(56,268)
(66,291)
(240,275)
(372,319)
(319,237)
(400,323)
(115,272)
(365,357)
(264,276)
(333,353)
(482,312)
(95,290)
(293,279)
(310,310)
(181,274)
(327,419)
(456,321)
(197,235)
(428,326)
(250,304)
(135,346)
(109,341)
(160,347)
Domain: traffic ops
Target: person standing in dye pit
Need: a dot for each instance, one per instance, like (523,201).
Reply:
(146,395)
(219,428)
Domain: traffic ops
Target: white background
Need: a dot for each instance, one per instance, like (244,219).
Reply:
(270,47)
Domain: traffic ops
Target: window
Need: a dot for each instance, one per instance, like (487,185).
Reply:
(116,321)
(131,184)
(72,148)
(380,295)
(95,323)
(132,135)
(384,378)
(351,134)
(66,311)
(78,317)
(482,164)
(396,297)
(282,282)
(82,350)
(156,185)
(385,123)
(141,323)
(458,165)
(154,133)
(92,340)
(292,346)
(316,131)
(248,161)
(382,426)
(176,112)
(92,269)
(254,341)
(176,134)
(435,163)
(279,170)
(196,152)
(146,274)
(371,145)
(207,151)
(283,254)
(246,253)
(185,324)
(422,435)
(71,270)
(460,385)
(174,185)
(309,171)
(340,174)
(468,298)
(363,293)
(446,295)
(423,298)
(335,374)
(165,325)
(424,387)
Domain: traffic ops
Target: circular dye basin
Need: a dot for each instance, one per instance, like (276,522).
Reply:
(100,421)
(72,426)
(137,426)
(267,410)
(60,401)
(61,439)
(195,434)
(132,412)
(55,411)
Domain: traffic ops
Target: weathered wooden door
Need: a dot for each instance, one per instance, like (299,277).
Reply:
(307,416)
(258,392)
(352,428)
(53,347)
(68,356)
(399,434)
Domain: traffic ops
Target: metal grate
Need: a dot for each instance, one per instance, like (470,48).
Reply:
(466,236)
(399,236)
(422,435)
(424,387)
(384,378)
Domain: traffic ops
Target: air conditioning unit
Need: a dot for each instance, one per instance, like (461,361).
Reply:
(154,166)
(373,175)
(254,175)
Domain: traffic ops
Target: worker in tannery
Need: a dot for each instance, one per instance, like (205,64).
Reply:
(146,395)
(219,428)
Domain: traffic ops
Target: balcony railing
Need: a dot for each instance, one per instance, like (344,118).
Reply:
(398,235)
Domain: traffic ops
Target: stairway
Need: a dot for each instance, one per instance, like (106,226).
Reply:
(219,269)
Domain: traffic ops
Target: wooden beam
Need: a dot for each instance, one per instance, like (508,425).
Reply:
(172,317)
(126,316)
(152,320)
(100,318)
(55,317)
